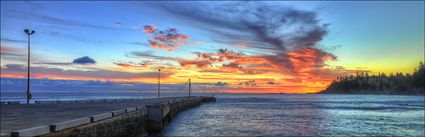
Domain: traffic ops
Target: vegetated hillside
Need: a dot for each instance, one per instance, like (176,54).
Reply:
(381,83)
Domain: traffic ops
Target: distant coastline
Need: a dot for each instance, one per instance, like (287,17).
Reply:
(380,84)
(412,93)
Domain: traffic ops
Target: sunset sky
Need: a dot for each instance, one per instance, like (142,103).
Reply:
(244,47)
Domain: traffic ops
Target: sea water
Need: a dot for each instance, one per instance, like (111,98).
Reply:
(303,115)
(281,114)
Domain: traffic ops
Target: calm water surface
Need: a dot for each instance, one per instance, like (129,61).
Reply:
(282,115)
(303,115)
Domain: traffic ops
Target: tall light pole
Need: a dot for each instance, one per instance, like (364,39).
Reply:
(27,31)
(190,87)
(159,80)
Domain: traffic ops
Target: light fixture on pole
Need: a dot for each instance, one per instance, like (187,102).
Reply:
(190,87)
(159,81)
(29,33)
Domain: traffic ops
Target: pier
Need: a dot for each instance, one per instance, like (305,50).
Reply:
(102,117)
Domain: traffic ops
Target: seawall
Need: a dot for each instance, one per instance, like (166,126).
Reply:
(134,119)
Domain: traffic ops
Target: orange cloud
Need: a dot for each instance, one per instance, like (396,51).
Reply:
(300,71)
(149,29)
(197,63)
(305,60)
(133,65)
(169,39)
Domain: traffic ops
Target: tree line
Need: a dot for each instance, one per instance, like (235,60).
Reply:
(381,83)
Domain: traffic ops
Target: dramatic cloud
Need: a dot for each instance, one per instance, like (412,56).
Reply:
(168,39)
(84,61)
(287,32)
(303,60)
(289,36)
(303,70)
(261,25)
(245,45)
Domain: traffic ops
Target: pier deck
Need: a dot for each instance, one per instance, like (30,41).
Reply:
(22,116)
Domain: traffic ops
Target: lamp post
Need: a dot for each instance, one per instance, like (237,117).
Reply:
(159,81)
(190,86)
(27,31)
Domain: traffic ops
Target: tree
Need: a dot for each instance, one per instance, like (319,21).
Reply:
(398,83)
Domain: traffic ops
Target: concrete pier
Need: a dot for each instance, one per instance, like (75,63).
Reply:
(130,117)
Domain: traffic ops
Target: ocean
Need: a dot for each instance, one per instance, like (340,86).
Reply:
(303,115)
(282,114)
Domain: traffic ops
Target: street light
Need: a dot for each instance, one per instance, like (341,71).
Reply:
(27,31)
(190,86)
(159,80)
